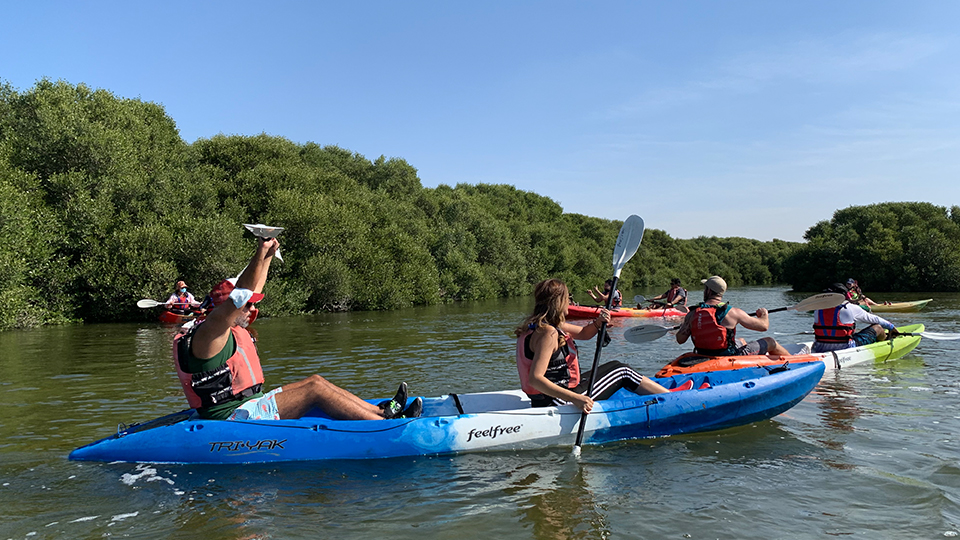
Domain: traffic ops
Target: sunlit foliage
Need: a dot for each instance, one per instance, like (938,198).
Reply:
(903,246)
(102,204)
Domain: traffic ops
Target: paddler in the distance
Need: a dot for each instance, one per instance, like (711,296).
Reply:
(856,295)
(713,326)
(676,296)
(600,297)
(181,301)
(219,367)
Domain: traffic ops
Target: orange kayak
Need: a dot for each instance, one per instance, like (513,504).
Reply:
(589,312)
(696,363)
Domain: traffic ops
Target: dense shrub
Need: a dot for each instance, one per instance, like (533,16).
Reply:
(902,246)
(102,204)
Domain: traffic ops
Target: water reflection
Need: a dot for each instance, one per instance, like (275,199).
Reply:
(561,504)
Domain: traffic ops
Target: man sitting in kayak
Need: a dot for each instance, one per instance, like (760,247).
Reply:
(181,301)
(835,328)
(219,368)
(601,297)
(547,356)
(676,296)
(713,325)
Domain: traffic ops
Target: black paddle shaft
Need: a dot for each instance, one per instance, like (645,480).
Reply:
(596,357)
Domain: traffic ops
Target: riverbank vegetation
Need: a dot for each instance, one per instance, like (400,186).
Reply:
(904,246)
(102,204)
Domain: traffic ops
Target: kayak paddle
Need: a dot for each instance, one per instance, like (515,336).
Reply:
(147,303)
(639,299)
(628,241)
(265,231)
(650,332)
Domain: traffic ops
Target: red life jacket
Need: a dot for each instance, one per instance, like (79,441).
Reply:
(563,369)
(239,378)
(828,328)
(710,337)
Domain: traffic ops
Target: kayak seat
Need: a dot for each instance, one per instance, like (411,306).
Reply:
(685,386)
(691,359)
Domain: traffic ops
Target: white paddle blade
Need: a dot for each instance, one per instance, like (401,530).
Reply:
(646,332)
(819,301)
(638,299)
(628,241)
(939,336)
(263,231)
(147,303)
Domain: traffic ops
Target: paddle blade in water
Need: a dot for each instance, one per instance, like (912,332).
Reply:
(628,241)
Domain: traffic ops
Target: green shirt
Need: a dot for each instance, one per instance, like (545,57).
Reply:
(198,365)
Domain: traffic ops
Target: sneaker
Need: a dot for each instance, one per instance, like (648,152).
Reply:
(414,410)
(685,386)
(394,407)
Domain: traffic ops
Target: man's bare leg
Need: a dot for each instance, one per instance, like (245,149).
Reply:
(298,398)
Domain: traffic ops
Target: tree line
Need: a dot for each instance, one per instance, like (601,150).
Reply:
(102,204)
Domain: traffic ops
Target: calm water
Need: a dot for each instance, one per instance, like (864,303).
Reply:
(873,453)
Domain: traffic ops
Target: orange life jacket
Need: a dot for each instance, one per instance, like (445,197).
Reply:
(239,378)
(710,337)
(563,369)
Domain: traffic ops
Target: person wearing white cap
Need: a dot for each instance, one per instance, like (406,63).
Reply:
(219,368)
(713,326)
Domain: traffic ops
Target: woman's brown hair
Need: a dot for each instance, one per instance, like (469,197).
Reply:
(549,296)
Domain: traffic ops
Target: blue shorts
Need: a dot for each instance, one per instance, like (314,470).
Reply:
(864,337)
(264,408)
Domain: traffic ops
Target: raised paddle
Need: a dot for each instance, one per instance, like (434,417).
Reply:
(147,303)
(265,231)
(628,241)
(650,332)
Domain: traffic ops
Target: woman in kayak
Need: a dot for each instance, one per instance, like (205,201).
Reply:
(547,356)
(181,300)
(857,296)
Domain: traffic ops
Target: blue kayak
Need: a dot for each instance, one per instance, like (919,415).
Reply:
(458,423)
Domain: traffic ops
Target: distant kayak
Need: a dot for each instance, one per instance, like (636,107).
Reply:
(589,312)
(176,317)
(898,307)
(458,423)
(881,351)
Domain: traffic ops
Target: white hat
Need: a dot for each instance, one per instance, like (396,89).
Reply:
(715,284)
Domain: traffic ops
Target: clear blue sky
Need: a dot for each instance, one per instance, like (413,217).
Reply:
(752,119)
